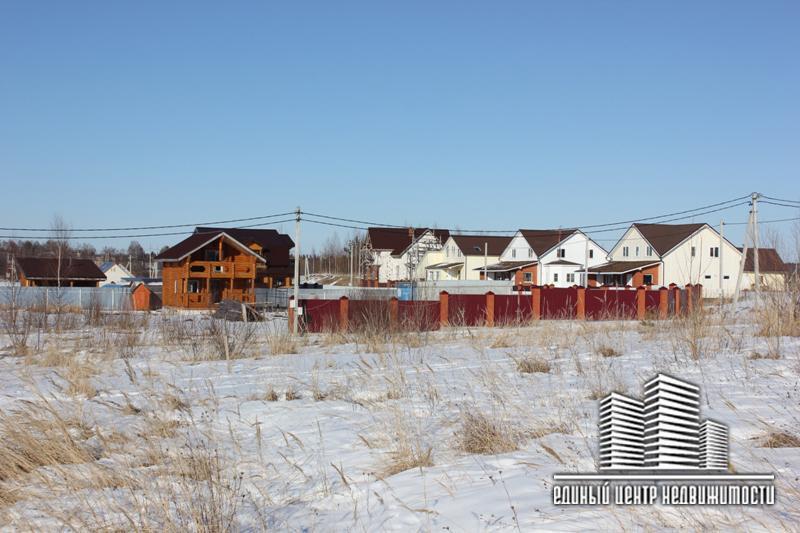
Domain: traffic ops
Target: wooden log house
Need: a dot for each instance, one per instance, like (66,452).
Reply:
(215,264)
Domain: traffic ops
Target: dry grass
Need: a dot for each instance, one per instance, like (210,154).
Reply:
(608,351)
(405,457)
(532,365)
(481,434)
(291,394)
(779,439)
(280,343)
(768,355)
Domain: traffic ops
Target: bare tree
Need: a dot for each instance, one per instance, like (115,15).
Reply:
(60,234)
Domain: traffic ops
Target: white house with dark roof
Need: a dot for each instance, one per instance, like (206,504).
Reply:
(116,274)
(661,254)
(463,257)
(396,253)
(547,257)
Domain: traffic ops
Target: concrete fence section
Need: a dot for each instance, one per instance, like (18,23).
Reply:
(490,309)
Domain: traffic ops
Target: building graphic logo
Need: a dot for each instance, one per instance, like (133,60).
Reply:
(654,446)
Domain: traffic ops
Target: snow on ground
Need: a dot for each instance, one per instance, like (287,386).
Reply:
(151,407)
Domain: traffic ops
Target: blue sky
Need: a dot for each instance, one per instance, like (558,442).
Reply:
(461,114)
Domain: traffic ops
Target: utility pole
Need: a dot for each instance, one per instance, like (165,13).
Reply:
(744,258)
(586,263)
(721,247)
(351,263)
(485,261)
(296,270)
(755,196)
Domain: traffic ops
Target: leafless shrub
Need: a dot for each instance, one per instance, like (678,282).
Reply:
(271,395)
(768,355)
(481,434)
(17,322)
(230,340)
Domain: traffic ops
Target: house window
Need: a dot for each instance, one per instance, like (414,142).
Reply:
(714,251)
(692,251)
(637,251)
(555,277)
(726,277)
(212,255)
(626,252)
(513,252)
(570,278)
(193,285)
(530,252)
(649,251)
(648,279)
(708,276)
(527,276)
(562,252)
(591,254)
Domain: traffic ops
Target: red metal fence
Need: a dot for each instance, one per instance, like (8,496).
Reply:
(543,303)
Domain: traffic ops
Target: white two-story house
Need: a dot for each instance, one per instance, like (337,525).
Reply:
(547,257)
(661,254)
(463,257)
(395,253)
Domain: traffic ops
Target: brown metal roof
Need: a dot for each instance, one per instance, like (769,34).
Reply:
(542,240)
(474,244)
(398,239)
(275,246)
(621,267)
(195,242)
(563,262)
(768,261)
(507,266)
(665,237)
(48,268)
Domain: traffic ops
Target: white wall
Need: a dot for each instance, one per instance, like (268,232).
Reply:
(681,268)
(114,275)
(635,243)
(574,251)
(518,250)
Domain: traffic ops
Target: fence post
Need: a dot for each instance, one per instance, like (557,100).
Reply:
(581,307)
(490,309)
(344,312)
(698,293)
(641,307)
(291,314)
(394,311)
(536,302)
(663,303)
(689,298)
(676,298)
(444,308)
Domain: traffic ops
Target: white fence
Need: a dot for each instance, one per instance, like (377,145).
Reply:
(429,290)
(107,298)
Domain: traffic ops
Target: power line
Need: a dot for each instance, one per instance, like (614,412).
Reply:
(73,238)
(139,228)
(506,231)
(781,199)
(781,205)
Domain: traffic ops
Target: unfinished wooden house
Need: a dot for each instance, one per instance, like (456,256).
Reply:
(215,264)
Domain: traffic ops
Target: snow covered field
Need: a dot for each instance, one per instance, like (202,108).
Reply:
(139,423)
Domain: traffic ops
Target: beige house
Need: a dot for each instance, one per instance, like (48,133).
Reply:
(771,269)
(463,257)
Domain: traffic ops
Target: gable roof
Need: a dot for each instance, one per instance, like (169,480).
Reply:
(397,240)
(665,237)
(47,268)
(474,244)
(768,261)
(194,242)
(544,240)
(108,265)
(266,238)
